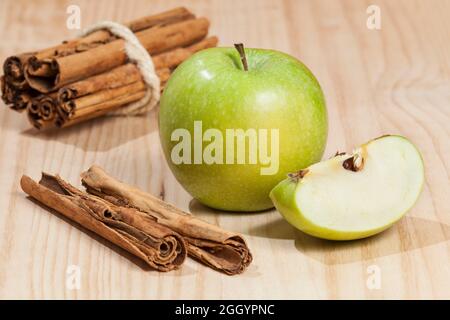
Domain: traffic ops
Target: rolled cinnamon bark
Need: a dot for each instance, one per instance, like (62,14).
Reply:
(172,59)
(98,63)
(8,92)
(122,80)
(13,66)
(42,111)
(114,83)
(49,74)
(219,249)
(13,70)
(163,75)
(100,103)
(119,92)
(117,77)
(137,233)
(161,19)
(18,99)
(128,73)
(22,100)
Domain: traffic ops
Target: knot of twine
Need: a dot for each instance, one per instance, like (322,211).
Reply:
(138,55)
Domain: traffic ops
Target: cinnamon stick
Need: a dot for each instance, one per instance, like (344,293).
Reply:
(85,109)
(13,70)
(14,66)
(93,71)
(219,249)
(117,84)
(98,38)
(117,77)
(129,72)
(18,99)
(8,92)
(172,59)
(125,79)
(163,75)
(42,111)
(161,19)
(70,68)
(160,247)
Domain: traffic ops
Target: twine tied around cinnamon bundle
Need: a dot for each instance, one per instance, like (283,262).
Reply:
(138,55)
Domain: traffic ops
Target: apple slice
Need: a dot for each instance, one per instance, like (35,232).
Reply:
(352,196)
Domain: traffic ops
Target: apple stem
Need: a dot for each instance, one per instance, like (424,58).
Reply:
(240,48)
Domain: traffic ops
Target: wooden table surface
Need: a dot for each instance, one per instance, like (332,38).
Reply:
(392,80)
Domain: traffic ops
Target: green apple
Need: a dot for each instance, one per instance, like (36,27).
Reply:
(352,196)
(274,105)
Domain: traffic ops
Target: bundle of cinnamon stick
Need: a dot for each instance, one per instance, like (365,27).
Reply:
(91,76)
(147,227)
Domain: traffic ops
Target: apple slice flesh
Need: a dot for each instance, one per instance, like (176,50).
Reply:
(352,196)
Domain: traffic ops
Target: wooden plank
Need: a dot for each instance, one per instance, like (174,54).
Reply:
(393,80)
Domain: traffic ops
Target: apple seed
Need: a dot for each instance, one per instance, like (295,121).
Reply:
(355,163)
(298,175)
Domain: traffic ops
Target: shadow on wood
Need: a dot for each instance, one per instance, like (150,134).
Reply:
(409,234)
(211,215)
(100,134)
(275,227)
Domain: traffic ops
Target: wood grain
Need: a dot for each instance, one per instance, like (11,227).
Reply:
(393,80)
